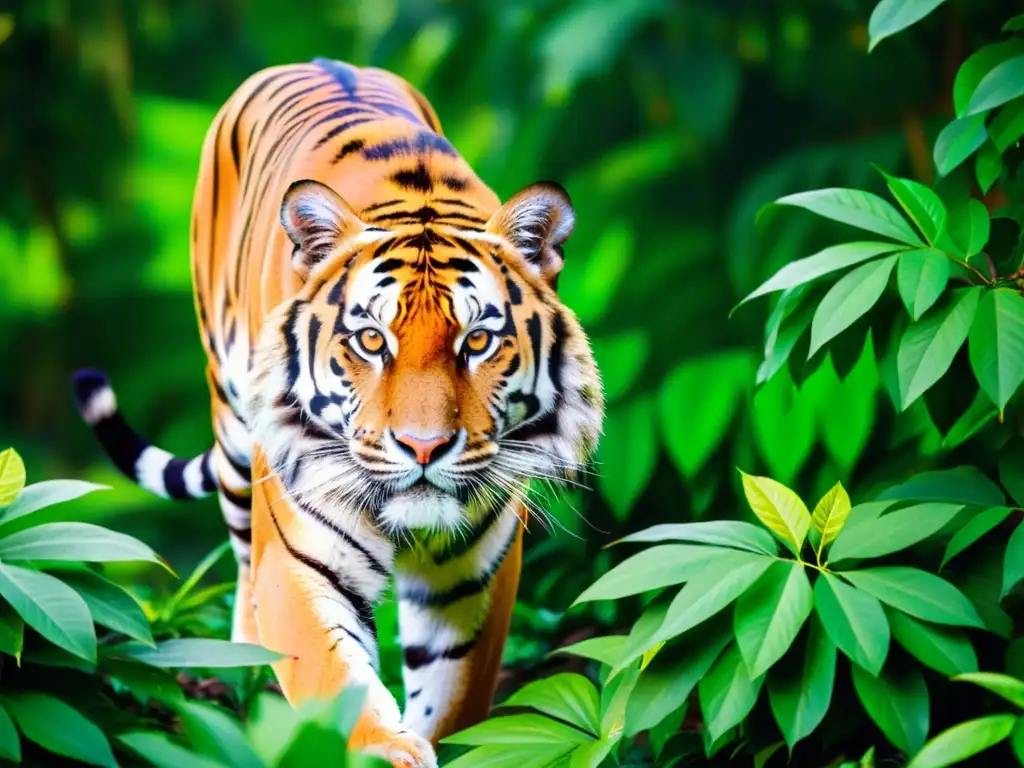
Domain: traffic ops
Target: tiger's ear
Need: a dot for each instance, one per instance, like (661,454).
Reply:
(537,220)
(317,220)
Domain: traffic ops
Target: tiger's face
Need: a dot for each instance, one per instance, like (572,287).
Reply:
(424,375)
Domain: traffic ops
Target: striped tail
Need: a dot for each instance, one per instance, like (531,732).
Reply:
(153,468)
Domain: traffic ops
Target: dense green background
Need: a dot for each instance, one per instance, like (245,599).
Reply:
(670,123)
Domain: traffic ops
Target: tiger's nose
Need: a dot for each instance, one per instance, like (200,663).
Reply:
(424,449)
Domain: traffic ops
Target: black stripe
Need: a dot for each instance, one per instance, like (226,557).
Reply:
(555,354)
(209,478)
(351,634)
(240,501)
(417,656)
(347,149)
(243,534)
(242,470)
(174,479)
(417,178)
(343,74)
(316,514)
(292,343)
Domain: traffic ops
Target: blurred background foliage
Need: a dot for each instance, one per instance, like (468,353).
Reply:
(670,123)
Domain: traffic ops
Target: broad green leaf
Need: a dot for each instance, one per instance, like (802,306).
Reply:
(46,494)
(893,531)
(58,728)
(962,741)
(1008,687)
(799,693)
(979,414)
(1011,470)
(12,476)
(606,650)
(12,631)
(980,523)
(967,228)
(988,166)
(918,593)
(1013,561)
(1003,83)
(567,696)
(779,508)
(897,701)
(110,605)
(670,679)
(854,621)
(891,16)
(202,568)
(830,514)
(51,608)
(960,139)
(519,729)
(216,734)
(997,344)
(195,652)
(929,345)
(979,64)
(784,428)
(1017,740)
(722,533)
(73,542)
(849,300)
(620,358)
(157,749)
(516,756)
(615,695)
(144,682)
(769,615)
(857,208)
(945,650)
(727,694)
(922,276)
(1014,24)
(718,383)
(628,453)
(1007,127)
(921,204)
(711,591)
(660,734)
(822,263)
(10,744)
(959,485)
(654,568)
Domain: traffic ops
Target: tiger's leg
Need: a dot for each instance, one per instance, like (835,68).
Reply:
(454,617)
(314,585)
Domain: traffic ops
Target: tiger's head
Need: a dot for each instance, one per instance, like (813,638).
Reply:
(424,374)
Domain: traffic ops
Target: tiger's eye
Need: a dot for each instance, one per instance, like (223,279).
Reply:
(478,341)
(371,340)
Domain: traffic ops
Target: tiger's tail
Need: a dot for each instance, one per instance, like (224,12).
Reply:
(153,468)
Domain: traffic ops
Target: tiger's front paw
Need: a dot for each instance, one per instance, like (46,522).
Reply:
(404,749)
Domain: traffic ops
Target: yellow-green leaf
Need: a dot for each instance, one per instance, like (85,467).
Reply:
(830,514)
(779,508)
(12,476)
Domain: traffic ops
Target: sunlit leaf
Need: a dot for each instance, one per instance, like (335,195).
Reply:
(997,344)
(853,620)
(72,542)
(195,652)
(921,204)
(892,16)
(917,593)
(727,693)
(769,615)
(892,532)
(46,494)
(967,228)
(962,741)
(566,696)
(51,608)
(848,300)
(979,64)
(960,139)
(1003,83)
(922,276)
(606,650)
(830,514)
(857,208)
(779,508)
(12,476)
(1010,688)
(519,729)
(721,533)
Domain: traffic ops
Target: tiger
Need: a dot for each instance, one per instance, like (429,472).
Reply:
(389,367)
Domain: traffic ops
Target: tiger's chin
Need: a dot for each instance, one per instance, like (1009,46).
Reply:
(422,507)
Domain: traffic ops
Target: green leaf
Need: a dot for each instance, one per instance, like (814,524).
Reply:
(654,568)
(567,696)
(641,639)
(997,344)
(722,533)
(980,523)
(1013,561)
(967,228)
(58,728)
(1005,686)
(779,508)
(892,16)
(822,263)
(979,414)
(157,749)
(918,593)
(1017,740)
(979,64)
(929,345)
(849,300)
(769,615)
(727,694)
(1007,127)
(830,514)
(515,756)
(960,139)
(144,682)
(892,532)
(962,741)
(628,453)
(897,701)
(216,734)
(606,650)
(110,605)
(718,383)
(959,485)
(922,277)
(74,542)
(47,494)
(711,591)
(621,359)
(196,652)
(854,621)
(12,476)
(921,204)
(945,650)
(10,744)
(1003,83)
(518,729)
(51,608)
(857,208)
(12,631)
(1011,470)
(799,694)
(988,166)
